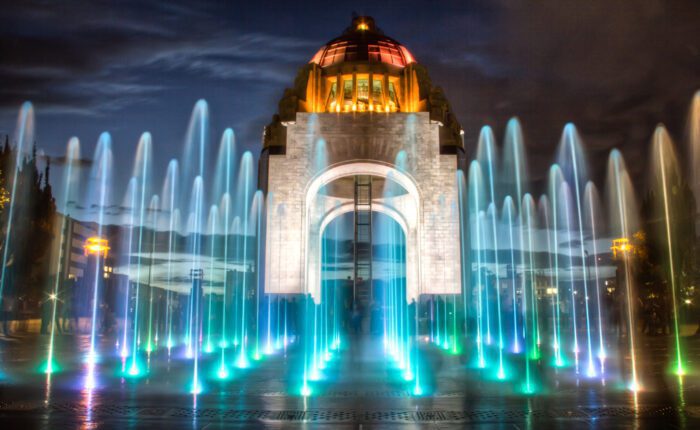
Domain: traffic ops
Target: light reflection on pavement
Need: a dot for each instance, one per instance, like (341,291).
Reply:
(360,387)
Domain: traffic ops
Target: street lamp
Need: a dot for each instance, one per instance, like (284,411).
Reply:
(621,247)
(96,245)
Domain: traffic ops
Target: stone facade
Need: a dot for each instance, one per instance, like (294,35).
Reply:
(323,147)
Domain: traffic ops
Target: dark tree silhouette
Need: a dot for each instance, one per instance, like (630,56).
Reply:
(32,232)
(654,270)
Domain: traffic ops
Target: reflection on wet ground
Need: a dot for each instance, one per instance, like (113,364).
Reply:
(359,387)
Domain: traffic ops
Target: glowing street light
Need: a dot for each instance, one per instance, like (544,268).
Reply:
(96,245)
(621,247)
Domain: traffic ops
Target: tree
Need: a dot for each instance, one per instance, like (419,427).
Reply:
(655,271)
(33,216)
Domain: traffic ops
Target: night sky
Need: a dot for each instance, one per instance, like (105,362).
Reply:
(615,68)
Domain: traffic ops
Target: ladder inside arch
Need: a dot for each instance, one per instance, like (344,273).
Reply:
(362,285)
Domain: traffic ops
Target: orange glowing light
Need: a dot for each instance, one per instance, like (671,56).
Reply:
(621,246)
(362,26)
(96,246)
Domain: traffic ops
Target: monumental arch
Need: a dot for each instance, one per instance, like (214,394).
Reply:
(362,113)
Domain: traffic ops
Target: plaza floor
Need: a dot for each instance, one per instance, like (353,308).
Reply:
(360,389)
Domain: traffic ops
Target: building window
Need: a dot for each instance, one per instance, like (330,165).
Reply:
(362,92)
(332,95)
(334,54)
(347,90)
(351,53)
(393,100)
(373,53)
(377,91)
(357,93)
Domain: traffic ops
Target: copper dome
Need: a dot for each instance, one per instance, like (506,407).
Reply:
(363,42)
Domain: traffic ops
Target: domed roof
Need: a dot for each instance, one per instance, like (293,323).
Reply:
(363,41)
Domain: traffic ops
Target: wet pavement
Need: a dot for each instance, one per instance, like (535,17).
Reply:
(360,389)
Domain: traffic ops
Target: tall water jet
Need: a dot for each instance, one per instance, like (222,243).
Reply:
(130,201)
(153,209)
(465,249)
(194,157)
(282,323)
(169,205)
(593,215)
(196,277)
(510,220)
(235,250)
(475,203)
(486,153)
(225,213)
(225,164)
(623,221)
(694,142)
(317,163)
(244,198)
(257,215)
(336,286)
(573,164)
(454,211)
(98,198)
(545,210)
(515,180)
(491,215)
(69,190)
(529,224)
(565,211)
(555,180)
(514,172)
(142,175)
(528,309)
(224,173)
(212,232)
(667,179)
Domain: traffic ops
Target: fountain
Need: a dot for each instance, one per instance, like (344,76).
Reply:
(541,277)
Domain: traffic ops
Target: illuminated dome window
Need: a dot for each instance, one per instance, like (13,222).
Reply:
(363,41)
(359,97)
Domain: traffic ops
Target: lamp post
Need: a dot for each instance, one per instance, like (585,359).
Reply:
(97,246)
(96,249)
(621,249)
(196,275)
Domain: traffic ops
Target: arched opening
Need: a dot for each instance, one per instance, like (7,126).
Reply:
(342,315)
(334,192)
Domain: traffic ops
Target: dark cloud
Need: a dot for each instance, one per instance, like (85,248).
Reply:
(92,59)
(615,68)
